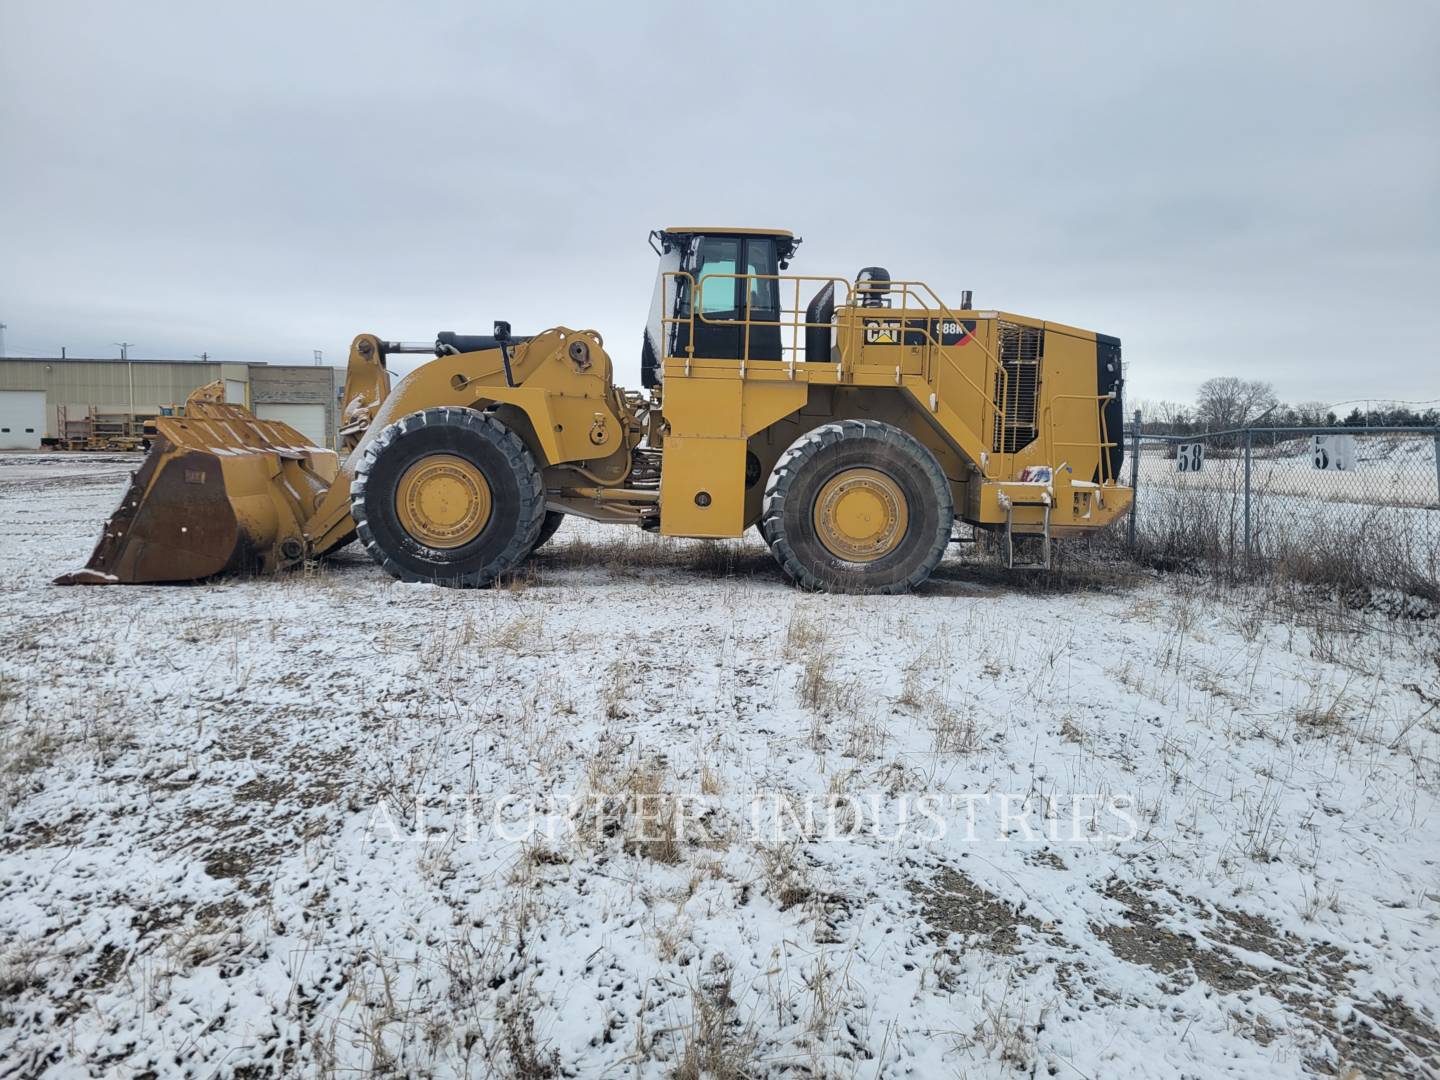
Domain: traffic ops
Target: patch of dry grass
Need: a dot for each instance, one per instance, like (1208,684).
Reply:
(635,803)
(26,747)
(717,1044)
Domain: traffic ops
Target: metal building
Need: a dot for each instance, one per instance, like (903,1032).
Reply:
(48,400)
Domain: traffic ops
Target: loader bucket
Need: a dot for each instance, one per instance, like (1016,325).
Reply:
(219,491)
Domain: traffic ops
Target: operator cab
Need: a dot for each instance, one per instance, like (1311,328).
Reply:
(739,261)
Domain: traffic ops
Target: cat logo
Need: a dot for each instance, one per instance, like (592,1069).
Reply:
(919,332)
(881,332)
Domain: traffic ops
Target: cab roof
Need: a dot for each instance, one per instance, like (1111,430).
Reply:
(725,230)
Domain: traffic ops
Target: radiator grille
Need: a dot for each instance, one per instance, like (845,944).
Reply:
(1021,351)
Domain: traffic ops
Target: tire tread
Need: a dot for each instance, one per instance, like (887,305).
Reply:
(811,448)
(517,455)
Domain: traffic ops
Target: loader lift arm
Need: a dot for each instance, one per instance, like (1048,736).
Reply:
(555,391)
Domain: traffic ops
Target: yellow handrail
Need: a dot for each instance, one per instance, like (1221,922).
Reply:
(925,300)
(667,320)
(1101,445)
(795,324)
(999,409)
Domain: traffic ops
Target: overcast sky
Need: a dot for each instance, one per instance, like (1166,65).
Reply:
(1244,189)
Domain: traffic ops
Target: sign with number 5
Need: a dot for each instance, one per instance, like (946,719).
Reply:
(1333,453)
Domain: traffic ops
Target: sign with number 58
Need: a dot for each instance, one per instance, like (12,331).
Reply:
(1190,457)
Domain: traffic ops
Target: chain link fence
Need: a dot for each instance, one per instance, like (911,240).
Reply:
(1338,505)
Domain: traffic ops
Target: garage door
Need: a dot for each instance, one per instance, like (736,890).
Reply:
(22,419)
(309,420)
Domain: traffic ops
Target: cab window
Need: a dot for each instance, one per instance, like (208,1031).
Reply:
(718,256)
(760,260)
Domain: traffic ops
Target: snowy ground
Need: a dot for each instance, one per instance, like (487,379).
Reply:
(209,861)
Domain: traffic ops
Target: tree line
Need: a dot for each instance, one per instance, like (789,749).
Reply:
(1227,402)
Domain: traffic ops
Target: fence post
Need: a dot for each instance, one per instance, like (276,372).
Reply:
(1437,467)
(1135,477)
(1248,441)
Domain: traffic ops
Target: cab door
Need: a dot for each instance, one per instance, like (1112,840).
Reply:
(733,276)
(717,300)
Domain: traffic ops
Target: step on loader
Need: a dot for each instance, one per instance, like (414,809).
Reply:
(851,421)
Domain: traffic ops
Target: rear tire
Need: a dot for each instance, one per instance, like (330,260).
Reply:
(858,507)
(548,526)
(447,495)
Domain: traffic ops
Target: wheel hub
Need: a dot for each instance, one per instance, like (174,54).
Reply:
(443,501)
(860,515)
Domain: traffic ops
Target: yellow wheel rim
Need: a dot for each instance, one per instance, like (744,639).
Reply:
(861,515)
(443,501)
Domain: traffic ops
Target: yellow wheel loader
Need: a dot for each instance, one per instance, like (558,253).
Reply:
(851,420)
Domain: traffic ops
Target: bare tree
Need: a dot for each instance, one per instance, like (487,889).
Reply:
(1229,402)
(1313,414)
(1165,417)
(1173,417)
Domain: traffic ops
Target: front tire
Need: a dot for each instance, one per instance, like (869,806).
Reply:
(762,530)
(447,495)
(858,507)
